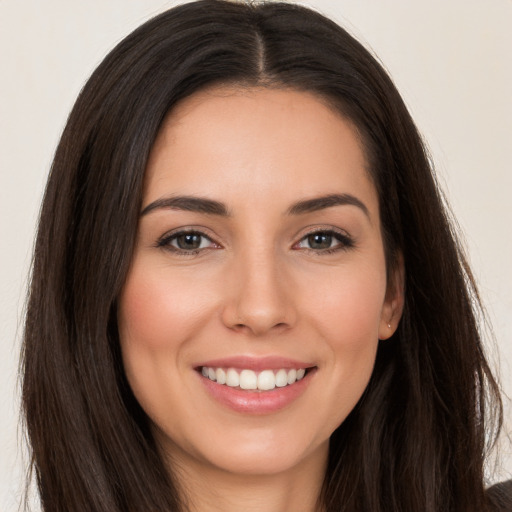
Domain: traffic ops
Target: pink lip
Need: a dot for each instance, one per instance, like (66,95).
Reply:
(256,402)
(256,364)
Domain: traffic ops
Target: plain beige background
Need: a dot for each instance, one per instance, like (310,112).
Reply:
(450,60)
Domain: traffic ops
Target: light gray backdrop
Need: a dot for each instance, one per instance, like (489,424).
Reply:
(450,60)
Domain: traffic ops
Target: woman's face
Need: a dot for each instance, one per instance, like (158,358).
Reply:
(259,263)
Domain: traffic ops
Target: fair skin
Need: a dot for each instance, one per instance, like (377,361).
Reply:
(268,278)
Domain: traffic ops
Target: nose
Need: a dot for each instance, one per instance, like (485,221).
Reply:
(259,296)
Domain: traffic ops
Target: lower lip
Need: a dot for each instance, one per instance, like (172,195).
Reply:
(257,402)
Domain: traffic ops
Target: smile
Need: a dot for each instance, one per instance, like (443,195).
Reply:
(246,379)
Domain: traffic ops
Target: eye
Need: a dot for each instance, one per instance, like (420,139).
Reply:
(186,242)
(325,241)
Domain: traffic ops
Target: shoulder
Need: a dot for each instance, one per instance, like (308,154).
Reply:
(500,495)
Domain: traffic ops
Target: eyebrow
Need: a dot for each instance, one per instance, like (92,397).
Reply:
(212,207)
(189,204)
(328,201)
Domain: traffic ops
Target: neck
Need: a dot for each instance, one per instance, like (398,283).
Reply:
(210,489)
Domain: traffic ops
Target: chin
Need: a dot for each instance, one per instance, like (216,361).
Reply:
(249,452)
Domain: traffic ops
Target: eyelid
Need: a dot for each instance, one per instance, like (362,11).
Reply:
(165,240)
(346,241)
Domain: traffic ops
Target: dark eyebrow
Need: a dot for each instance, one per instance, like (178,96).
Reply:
(189,204)
(212,207)
(319,203)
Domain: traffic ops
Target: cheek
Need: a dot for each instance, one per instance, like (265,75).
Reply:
(348,308)
(347,316)
(156,308)
(158,317)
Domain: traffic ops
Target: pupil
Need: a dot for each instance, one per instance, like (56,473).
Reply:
(320,241)
(190,241)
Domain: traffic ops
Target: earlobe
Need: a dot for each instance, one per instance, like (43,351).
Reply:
(394,302)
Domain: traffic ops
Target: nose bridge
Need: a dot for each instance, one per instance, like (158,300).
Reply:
(258,300)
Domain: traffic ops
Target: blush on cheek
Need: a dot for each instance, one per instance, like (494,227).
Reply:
(137,312)
(155,309)
(351,313)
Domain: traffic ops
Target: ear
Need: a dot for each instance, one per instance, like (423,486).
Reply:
(394,301)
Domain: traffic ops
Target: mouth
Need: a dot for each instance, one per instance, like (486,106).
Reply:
(256,385)
(251,380)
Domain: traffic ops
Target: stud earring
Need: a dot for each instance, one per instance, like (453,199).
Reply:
(389,326)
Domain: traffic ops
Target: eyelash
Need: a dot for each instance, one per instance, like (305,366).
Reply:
(166,240)
(345,242)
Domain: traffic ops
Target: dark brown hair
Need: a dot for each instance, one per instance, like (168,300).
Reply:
(416,441)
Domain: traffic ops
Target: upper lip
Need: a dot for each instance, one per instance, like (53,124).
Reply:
(255,363)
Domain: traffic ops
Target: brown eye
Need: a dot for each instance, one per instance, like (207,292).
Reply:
(320,241)
(189,241)
(186,242)
(325,241)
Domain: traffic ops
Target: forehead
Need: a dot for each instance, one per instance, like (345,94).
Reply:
(258,138)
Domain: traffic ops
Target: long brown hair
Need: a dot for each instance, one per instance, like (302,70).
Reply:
(417,439)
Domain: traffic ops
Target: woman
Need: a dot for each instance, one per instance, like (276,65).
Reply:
(246,292)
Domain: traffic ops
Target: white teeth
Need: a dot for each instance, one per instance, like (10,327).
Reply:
(292,376)
(232,378)
(221,376)
(248,380)
(281,378)
(265,380)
